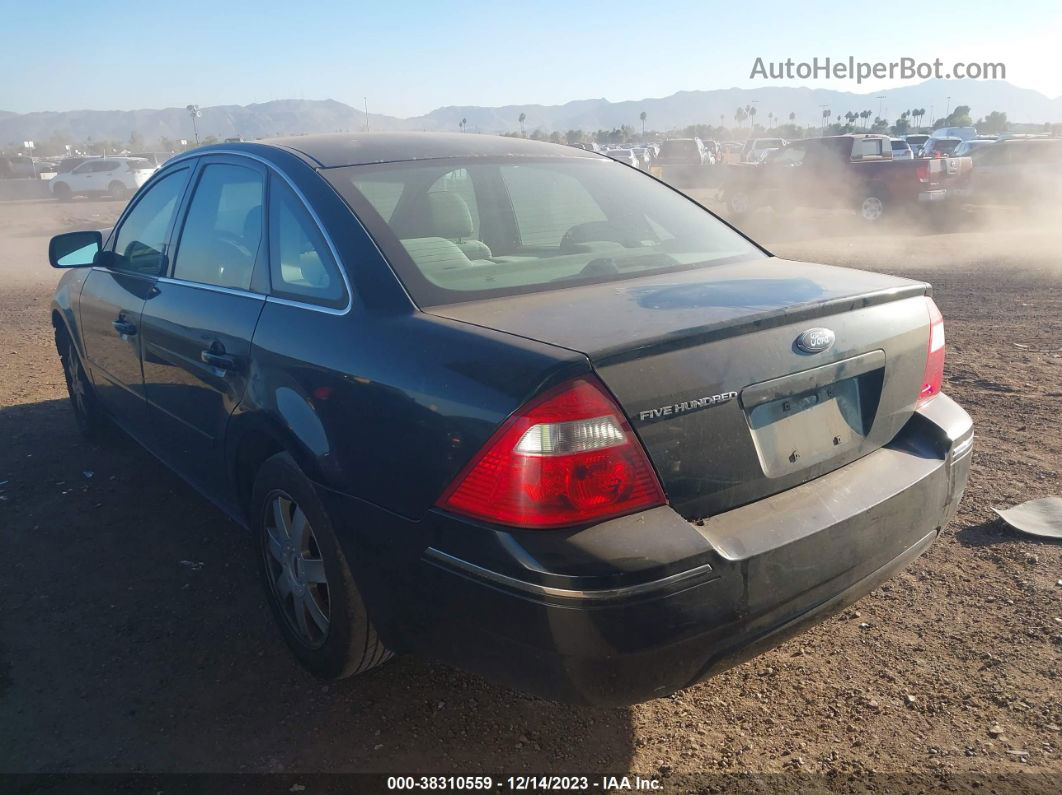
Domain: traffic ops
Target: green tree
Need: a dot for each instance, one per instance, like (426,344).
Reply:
(522,119)
(994,122)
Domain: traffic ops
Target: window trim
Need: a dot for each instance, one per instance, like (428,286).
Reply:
(280,295)
(273,169)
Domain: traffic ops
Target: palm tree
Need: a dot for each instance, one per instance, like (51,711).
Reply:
(740,115)
(523,118)
(770,119)
(826,113)
(792,117)
(463,124)
(642,117)
(752,116)
(722,120)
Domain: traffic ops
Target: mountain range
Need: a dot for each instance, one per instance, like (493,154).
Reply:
(290,116)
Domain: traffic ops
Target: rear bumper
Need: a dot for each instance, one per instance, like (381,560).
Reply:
(936,195)
(641,606)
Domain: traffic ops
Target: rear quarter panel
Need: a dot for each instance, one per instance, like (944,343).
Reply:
(388,407)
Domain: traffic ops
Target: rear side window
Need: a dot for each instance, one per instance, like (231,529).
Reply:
(223,228)
(301,266)
(141,239)
(868,147)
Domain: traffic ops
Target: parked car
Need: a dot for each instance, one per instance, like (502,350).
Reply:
(682,152)
(644,155)
(940,147)
(460,389)
(901,150)
(626,156)
(1021,172)
(856,171)
(753,148)
(17,167)
(714,152)
(116,177)
(916,141)
(681,162)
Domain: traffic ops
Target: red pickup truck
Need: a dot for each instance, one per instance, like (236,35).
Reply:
(854,171)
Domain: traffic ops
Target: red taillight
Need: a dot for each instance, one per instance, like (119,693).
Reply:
(922,171)
(933,380)
(567,457)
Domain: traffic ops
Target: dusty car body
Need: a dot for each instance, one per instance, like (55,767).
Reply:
(512,405)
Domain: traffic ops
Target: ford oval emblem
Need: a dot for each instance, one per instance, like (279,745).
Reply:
(815,340)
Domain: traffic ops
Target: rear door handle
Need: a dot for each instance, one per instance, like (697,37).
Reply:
(222,361)
(124,327)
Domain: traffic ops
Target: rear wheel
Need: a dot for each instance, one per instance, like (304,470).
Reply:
(62,192)
(117,190)
(91,420)
(873,205)
(308,582)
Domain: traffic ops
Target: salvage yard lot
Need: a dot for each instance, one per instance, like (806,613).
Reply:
(134,634)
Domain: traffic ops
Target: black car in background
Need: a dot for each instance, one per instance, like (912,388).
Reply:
(512,405)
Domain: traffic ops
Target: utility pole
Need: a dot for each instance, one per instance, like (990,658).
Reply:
(881,100)
(947,108)
(193,111)
(366,100)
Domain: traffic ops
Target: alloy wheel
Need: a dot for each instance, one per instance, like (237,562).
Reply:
(872,208)
(296,569)
(76,382)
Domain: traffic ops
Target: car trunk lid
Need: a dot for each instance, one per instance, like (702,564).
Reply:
(707,365)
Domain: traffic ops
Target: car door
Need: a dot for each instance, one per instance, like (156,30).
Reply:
(113,297)
(198,323)
(80,178)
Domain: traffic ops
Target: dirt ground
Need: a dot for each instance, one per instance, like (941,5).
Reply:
(134,635)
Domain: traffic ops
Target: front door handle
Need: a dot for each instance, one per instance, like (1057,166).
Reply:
(222,361)
(124,327)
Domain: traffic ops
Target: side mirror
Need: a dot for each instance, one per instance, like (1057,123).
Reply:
(74,249)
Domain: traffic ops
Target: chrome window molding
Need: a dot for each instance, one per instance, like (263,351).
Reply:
(340,264)
(211,287)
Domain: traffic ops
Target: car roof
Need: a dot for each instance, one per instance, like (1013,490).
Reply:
(355,149)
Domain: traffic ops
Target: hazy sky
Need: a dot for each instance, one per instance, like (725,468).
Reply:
(411,56)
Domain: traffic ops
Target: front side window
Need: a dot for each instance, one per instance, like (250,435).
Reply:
(141,239)
(301,266)
(541,224)
(223,228)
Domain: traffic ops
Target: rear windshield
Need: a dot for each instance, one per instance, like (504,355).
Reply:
(900,145)
(459,231)
(678,148)
(138,164)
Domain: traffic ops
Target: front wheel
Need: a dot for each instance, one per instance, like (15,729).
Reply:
(62,192)
(739,203)
(89,415)
(308,583)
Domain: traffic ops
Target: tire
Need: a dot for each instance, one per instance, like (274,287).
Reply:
(117,191)
(306,576)
(873,207)
(62,192)
(739,203)
(88,413)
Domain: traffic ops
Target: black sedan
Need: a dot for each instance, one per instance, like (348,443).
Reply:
(512,405)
